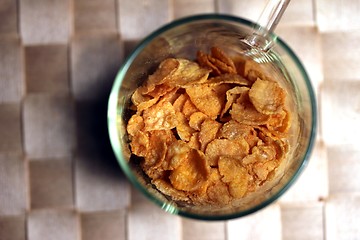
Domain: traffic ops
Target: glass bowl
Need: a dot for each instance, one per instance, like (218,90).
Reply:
(183,38)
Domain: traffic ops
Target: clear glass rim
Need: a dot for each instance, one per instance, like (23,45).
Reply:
(113,113)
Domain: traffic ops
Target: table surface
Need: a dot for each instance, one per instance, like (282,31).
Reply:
(58,177)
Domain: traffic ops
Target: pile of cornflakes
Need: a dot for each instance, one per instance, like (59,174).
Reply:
(209,131)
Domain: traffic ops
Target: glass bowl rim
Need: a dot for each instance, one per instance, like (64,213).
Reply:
(113,107)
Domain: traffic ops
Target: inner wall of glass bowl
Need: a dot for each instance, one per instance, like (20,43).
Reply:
(184,41)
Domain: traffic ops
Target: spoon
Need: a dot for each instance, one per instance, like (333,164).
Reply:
(261,40)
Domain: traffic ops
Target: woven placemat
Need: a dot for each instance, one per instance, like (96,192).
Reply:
(59,179)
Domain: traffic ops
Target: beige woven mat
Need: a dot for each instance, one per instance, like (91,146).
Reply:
(58,177)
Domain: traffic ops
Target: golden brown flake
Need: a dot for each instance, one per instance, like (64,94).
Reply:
(211,131)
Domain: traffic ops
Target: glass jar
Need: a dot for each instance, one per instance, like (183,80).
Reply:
(182,39)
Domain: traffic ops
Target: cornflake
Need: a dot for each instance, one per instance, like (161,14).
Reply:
(209,131)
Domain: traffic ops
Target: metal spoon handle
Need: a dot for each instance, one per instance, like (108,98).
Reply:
(267,23)
(272,14)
